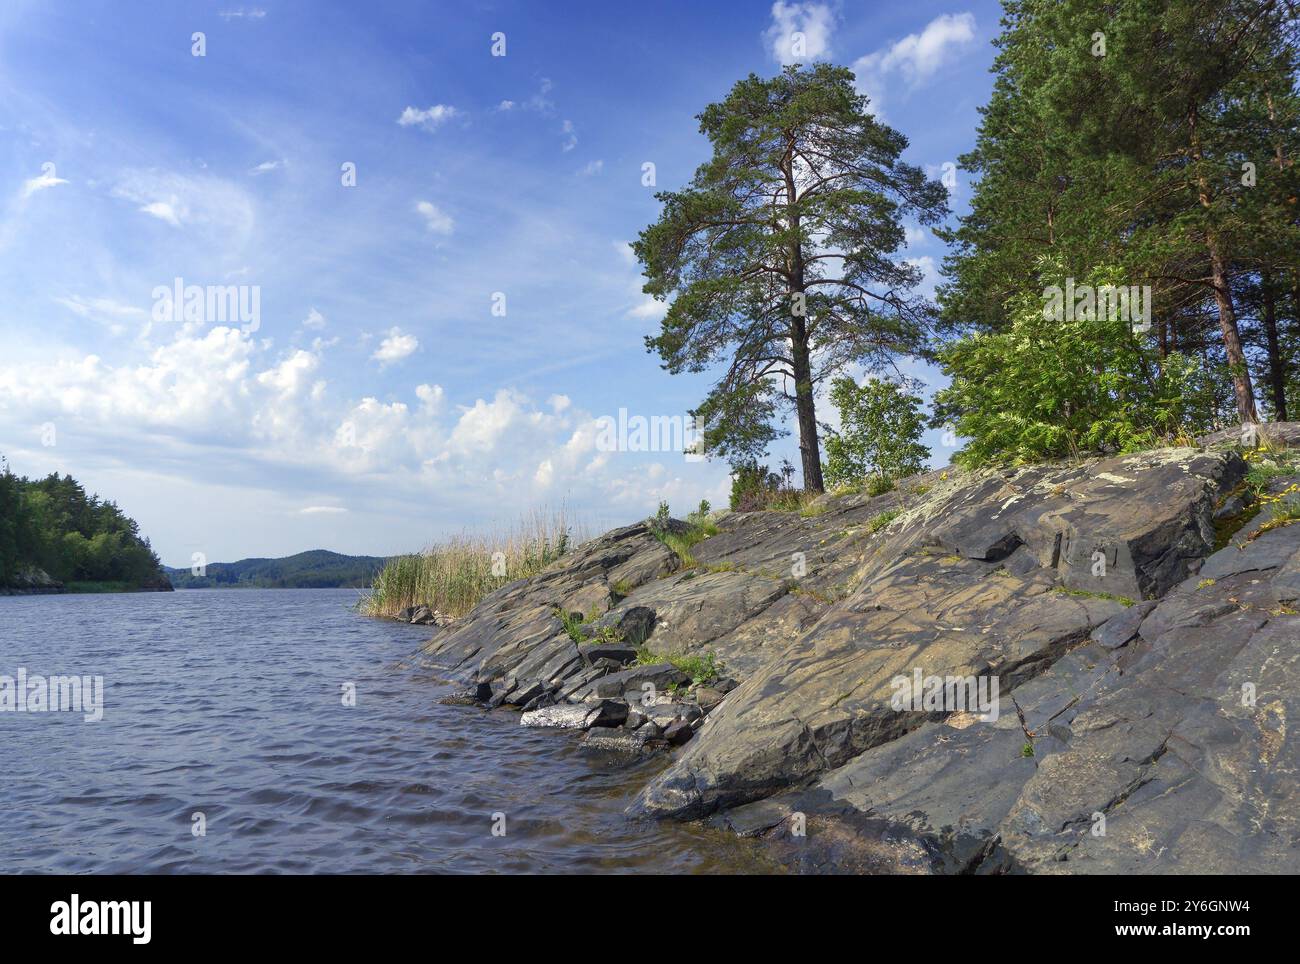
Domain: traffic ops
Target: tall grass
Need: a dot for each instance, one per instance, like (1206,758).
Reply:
(454,575)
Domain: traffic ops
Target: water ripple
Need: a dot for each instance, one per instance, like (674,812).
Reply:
(228,704)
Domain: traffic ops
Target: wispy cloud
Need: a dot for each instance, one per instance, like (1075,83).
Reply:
(46,179)
(435,219)
(239,13)
(266,167)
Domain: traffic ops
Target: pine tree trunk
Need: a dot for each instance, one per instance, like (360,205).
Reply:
(1241,386)
(1277,378)
(809,444)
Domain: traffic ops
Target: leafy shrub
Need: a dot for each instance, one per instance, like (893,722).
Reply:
(1042,389)
(752,486)
(879,435)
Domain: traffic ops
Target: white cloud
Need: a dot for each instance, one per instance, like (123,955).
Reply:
(91,307)
(253,13)
(314,319)
(800,32)
(430,396)
(209,400)
(41,182)
(648,309)
(163,211)
(645,308)
(593,168)
(435,219)
(506,105)
(540,101)
(266,167)
(545,474)
(183,200)
(570,136)
(104,310)
(916,58)
(430,119)
(395,346)
(290,375)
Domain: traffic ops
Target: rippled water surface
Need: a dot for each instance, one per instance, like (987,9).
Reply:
(228,703)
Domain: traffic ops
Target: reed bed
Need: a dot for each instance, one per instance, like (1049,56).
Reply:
(452,576)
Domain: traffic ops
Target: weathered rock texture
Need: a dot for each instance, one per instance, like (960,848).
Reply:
(1145,681)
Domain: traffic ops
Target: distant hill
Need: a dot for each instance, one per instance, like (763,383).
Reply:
(314,569)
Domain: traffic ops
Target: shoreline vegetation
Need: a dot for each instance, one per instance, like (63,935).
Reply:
(452,576)
(55,538)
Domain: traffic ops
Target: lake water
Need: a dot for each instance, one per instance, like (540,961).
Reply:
(228,703)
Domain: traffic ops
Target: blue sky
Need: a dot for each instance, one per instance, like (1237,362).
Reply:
(379,402)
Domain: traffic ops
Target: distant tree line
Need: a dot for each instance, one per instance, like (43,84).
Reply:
(53,525)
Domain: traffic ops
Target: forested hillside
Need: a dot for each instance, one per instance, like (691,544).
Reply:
(314,569)
(52,532)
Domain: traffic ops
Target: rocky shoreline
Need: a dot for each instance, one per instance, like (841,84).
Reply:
(37,582)
(1133,615)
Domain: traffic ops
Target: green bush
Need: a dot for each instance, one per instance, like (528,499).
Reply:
(1043,389)
(752,486)
(879,436)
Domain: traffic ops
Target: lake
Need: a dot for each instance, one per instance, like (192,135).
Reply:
(223,711)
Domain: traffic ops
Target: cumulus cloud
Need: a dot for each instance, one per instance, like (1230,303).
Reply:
(429,119)
(395,346)
(916,58)
(435,219)
(314,319)
(800,32)
(208,394)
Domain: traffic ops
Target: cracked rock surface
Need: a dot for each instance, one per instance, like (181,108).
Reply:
(1145,681)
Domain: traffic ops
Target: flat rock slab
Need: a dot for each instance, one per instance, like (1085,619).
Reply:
(632,684)
(576,716)
(693,609)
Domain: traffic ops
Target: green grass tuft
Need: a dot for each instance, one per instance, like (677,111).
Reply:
(879,522)
(453,576)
